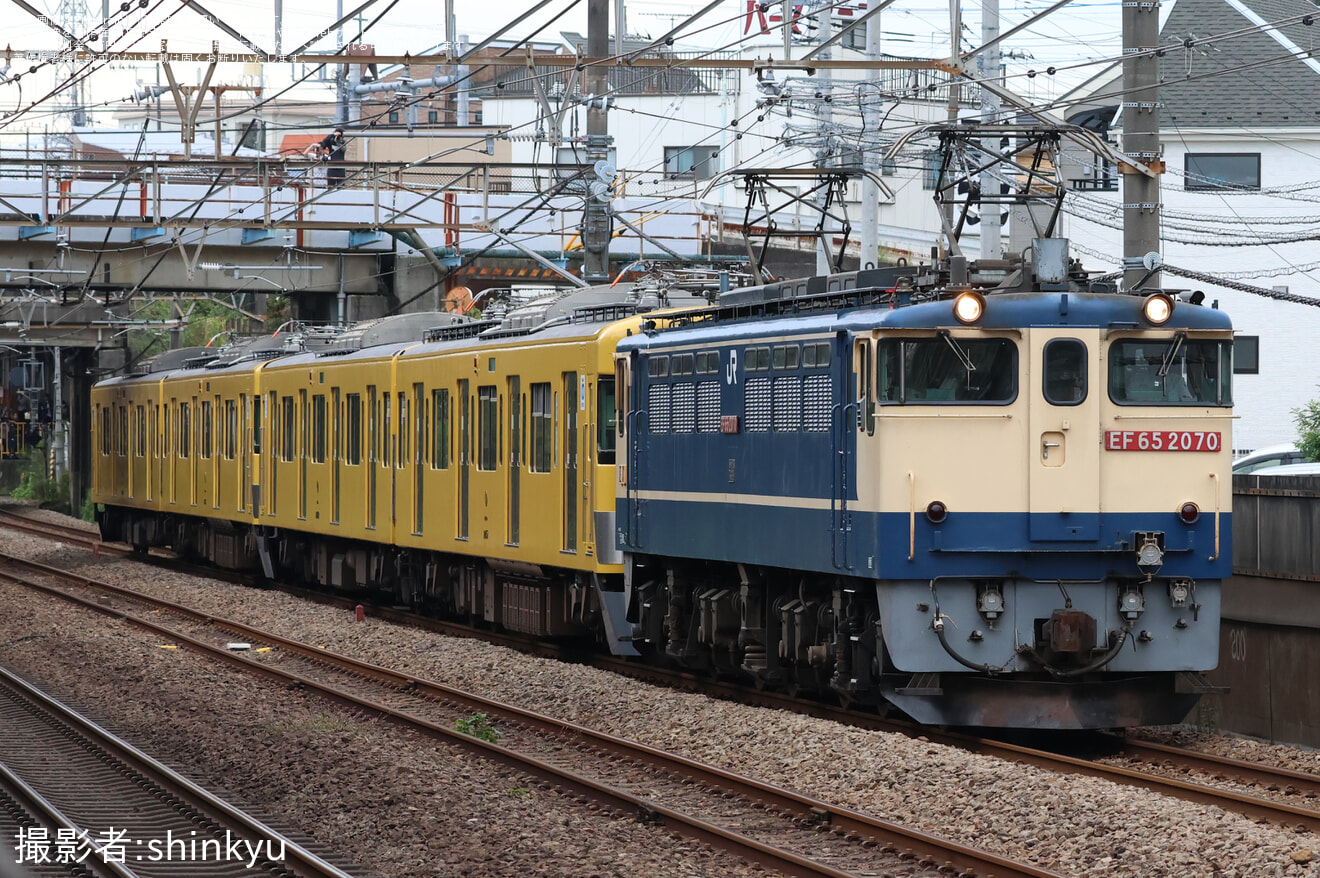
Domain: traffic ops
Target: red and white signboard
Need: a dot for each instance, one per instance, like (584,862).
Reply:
(1162,440)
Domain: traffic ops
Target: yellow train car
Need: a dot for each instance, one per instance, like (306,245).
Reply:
(468,468)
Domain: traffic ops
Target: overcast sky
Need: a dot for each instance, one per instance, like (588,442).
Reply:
(918,28)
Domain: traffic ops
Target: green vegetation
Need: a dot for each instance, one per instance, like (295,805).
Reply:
(478,726)
(1307,419)
(520,793)
(35,484)
(205,320)
(88,511)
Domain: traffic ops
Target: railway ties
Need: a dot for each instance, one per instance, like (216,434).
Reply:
(79,800)
(781,830)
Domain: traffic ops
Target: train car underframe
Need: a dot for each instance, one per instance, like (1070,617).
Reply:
(514,596)
(822,635)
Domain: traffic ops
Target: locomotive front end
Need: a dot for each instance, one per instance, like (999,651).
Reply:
(1051,473)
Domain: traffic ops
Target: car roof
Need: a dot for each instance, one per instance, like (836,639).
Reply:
(1291,469)
(1266,453)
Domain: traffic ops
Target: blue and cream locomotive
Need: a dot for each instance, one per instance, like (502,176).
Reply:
(1004,507)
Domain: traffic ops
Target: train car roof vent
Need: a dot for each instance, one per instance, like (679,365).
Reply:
(170,360)
(456,330)
(395,329)
(605,313)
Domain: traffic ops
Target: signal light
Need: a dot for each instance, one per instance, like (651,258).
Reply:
(936,512)
(969,307)
(1189,512)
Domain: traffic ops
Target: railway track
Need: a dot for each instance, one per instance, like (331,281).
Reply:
(777,828)
(1263,792)
(88,803)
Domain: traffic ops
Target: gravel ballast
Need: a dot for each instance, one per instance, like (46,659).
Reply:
(396,804)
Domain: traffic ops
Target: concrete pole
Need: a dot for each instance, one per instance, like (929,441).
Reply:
(826,30)
(1141,139)
(279,27)
(871,150)
(596,221)
(947,245)
(987,68)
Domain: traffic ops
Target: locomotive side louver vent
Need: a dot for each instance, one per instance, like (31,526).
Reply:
(657,403)
(708,407)
(757,414)
(684,408)
(788,404)
(816,404)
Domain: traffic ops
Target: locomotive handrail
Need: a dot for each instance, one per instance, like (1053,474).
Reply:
(912,516)
(1215,477)
(839,484)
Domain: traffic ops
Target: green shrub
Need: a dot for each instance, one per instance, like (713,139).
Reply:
(1307,419)
(35,484)
(478,726)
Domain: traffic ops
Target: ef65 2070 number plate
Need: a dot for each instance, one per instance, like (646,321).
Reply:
(1162,440)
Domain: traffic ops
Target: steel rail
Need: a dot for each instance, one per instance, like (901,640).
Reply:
(1252,806)
(203,802)
(852,825)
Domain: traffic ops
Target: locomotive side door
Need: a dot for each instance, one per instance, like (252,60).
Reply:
(1064,385)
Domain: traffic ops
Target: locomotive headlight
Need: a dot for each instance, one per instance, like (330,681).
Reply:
(1131,604)
(1158,309)
(969,307)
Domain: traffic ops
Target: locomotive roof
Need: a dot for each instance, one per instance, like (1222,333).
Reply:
(1002,311)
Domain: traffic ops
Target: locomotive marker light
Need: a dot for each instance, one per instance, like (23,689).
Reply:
(1131,604)
(969,307)
(936,512)
(1157,309)
(1189,512)
(1179,591)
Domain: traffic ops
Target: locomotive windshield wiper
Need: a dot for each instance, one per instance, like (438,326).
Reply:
(958,350)
(1167,362)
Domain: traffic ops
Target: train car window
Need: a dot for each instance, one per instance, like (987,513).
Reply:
(185,430)
(487,427)
(256,425)
(1064,378)
(353,429)
(231,428)
(206,429)
(1174,371)
(823,353)
(786,357)
(440,429)
(657,367)
(681,365)
(542,427)
(318,428)
(708,362)
(756,359)
(606,418)
(943,370)
(287,425)
(141,431)
(865,388)
(401,458)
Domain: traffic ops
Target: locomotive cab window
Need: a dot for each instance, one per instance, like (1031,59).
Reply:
(944,369)
(1174,371)
(1064,379)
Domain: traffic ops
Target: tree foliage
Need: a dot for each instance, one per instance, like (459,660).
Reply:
(1307,419)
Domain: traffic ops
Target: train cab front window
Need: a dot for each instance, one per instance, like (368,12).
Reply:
(1173,371)
(944,369)
(1065,372)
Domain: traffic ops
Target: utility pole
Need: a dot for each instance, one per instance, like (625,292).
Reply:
(871,151)
(987,68)
(597,224)
(947,244)
(1141,140)
(825,122)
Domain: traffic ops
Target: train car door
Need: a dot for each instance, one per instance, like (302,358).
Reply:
(419,455)
(571,401)
(464,454)
(515,459)
(1063,465)
(336,452)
